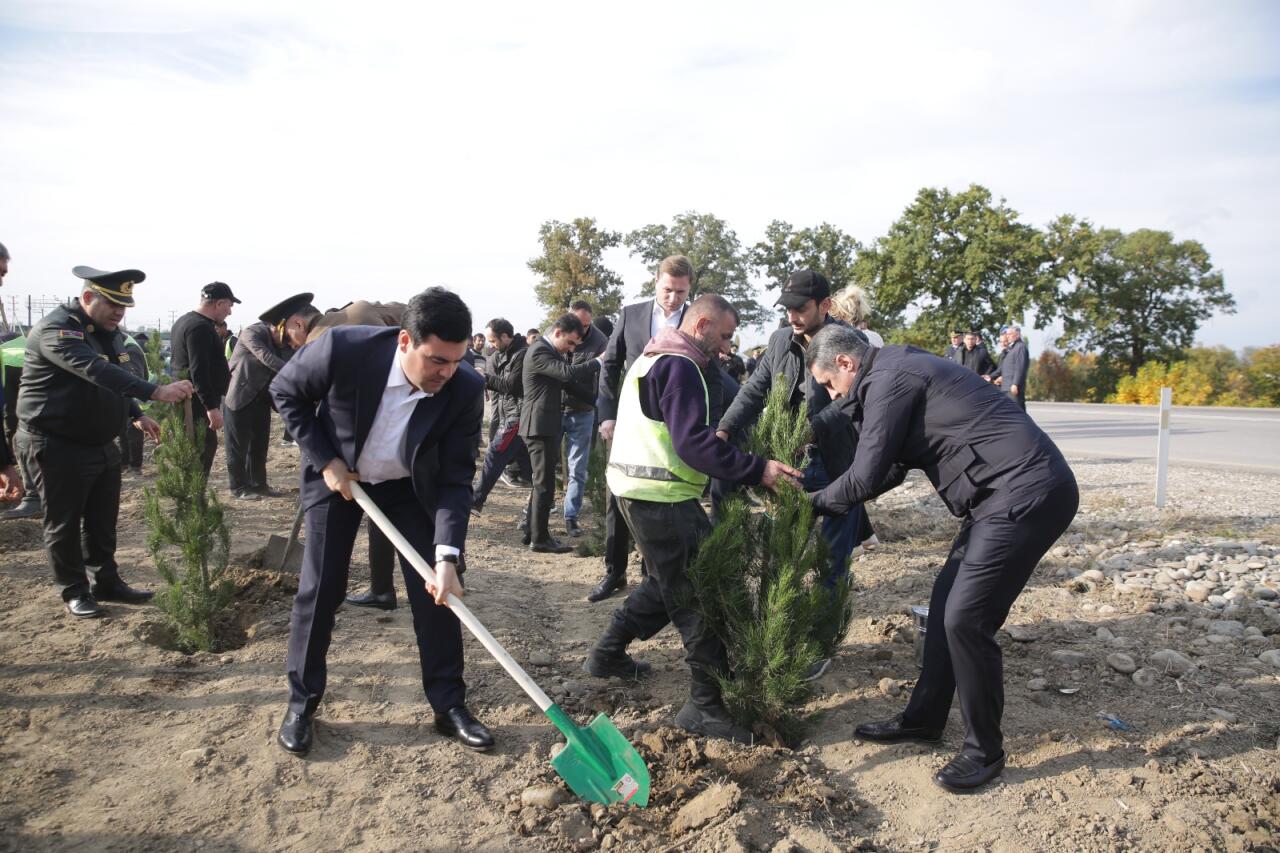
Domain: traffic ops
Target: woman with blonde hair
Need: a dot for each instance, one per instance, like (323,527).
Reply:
(853,305)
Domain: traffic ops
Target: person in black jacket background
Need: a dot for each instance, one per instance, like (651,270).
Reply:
(505,378)
(545,373)
(199,355)
(994,469)
(579,417)
(974,354)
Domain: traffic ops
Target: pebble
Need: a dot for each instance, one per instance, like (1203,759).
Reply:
(1022,633)
(889,687)
(1145,677)
(1038,684)
(197,757)
(1121,663)
(1271,657)
(1197,591)
(1227,628)
(707,806)
(1264,593)
(543,796)
(540,658)
(1067,657)
(1104,634)
(1172,663)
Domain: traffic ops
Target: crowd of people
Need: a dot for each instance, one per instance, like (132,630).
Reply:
(393,396)
(1007,369)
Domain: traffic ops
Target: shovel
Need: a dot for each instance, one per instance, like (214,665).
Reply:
(598,762)
(285,555)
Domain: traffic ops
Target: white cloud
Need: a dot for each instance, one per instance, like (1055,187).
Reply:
(366,151)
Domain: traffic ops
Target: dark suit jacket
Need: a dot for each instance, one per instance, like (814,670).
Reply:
(977,359)
(911,409)
(544,376)
(328,394)
(630,334)
(1013,368)
(254,363)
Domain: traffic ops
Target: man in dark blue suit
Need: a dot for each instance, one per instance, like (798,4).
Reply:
(398,411)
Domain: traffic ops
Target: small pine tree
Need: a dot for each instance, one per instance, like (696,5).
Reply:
(185,515)
(592,544)
(760,579)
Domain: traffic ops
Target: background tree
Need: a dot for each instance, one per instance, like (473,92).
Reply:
(571,267)
(1137,297)
(959,260)
(824,248)
(720,263)
(1264,375)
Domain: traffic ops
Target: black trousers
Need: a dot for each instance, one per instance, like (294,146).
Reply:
(248,433)
(988,566)
(199,418)
(505,447)
(80,488)
(617,538)
(331,533)
(382,561)
(543,452)
(668,536)
(131,439)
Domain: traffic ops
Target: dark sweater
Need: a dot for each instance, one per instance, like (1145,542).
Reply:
(673,393)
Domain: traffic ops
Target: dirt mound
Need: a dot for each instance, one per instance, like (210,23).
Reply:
(22,534)
(705,795)
(259,593)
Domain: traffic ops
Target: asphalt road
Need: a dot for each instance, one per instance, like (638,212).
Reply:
(1236,438)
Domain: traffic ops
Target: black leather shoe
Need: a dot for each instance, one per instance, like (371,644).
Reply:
(28,508)
(295,733)
(458,723)
(571,527)
(380,600)
(892,731)
(964,773)
(118,590)
(607,587)
(84,607)
(245,495)
(551,546)
(711,721)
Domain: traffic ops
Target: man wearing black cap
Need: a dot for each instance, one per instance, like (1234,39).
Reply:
(807,298)
(261,352)
(198,355)
(75,391)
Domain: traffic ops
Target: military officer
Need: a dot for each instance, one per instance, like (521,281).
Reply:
(261,352)
(75,392)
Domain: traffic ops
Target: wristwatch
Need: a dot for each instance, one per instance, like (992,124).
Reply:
(448,558)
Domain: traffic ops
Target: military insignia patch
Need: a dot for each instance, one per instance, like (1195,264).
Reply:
(70,333)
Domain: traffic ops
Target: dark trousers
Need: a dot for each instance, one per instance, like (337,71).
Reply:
(617,538)
(200,418)
(80,488)
(543,452)
(668,536)
(331,533)
(248,433)
(989,564)
(130,444)
(382,561)
(505,447)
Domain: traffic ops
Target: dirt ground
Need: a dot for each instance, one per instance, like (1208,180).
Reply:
(110,742)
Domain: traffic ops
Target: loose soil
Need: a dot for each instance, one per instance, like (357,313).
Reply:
(111,742)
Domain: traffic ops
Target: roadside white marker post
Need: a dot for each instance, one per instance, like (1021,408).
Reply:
(1162,448)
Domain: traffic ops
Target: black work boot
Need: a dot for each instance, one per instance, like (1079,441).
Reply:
(609,658)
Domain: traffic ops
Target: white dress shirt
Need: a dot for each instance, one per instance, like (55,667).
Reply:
(660,319)
(382,457)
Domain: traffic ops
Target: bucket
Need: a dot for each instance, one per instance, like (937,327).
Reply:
(920,616)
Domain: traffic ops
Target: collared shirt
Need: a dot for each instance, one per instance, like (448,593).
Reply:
(659,319)
(382,458)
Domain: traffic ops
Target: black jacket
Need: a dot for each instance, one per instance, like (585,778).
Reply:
(977,359)
(785,355)
(328,395)
(544,376)
(630,335)
(580,394)
(505,378)
(255,361)
(74,382)
(911,409)
(200,355)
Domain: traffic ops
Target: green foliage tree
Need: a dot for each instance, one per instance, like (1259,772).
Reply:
(592,544)
(719,261)
(759,582)
(824,248)
(186,517)
(571,267)
(1135,297)
(1264,375)
(959,260)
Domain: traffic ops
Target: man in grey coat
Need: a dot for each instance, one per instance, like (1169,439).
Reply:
(1011,373)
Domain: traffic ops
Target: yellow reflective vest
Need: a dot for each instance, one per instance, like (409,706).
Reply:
(643,464)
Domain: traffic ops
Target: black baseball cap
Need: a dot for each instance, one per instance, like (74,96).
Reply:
(802,286)
(218,290)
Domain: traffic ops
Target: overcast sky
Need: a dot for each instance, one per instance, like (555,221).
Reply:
(367,150)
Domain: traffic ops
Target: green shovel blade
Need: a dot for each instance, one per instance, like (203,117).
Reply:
(598,763)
